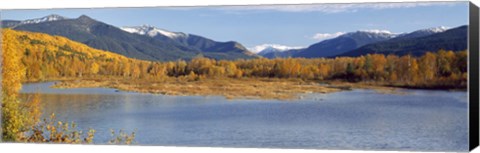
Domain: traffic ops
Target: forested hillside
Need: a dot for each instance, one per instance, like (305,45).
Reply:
(49,57)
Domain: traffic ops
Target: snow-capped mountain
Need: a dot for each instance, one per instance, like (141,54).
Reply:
(423,32)
(344,43)
(361,41)
(153,31)
(417,43)
(436,29)
(269,48)
(161,47)
(205,45)
(371,34)
(49,18)
(52,17)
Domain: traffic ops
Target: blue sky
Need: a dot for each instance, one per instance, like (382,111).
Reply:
(290,25)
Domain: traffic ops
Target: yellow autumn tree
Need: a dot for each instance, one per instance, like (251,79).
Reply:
(94,68)
(13,116)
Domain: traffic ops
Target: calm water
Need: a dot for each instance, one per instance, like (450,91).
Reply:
(422,120)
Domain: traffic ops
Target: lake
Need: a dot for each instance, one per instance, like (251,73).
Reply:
(421,120)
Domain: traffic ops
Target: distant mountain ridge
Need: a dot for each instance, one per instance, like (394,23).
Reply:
(376,41)
(107,37)
(153,32)
(343,43)
(282,54)
(209,47)
(155,44)
(264,49)
(9,23)
(333,46)
(53,17)
(13,23)
(454,39)
(422,32)
(103,36)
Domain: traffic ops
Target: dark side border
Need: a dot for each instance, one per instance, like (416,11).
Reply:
(473,93)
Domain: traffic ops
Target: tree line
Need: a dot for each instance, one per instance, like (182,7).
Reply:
(49,58)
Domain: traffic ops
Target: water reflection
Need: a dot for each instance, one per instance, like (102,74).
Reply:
(358,119)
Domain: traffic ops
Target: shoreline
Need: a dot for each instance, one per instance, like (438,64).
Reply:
(243,88)
(230,88)
(280,89)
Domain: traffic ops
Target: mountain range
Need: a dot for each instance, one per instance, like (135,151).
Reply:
(343,43)
(143,42)
(383,42)
(218,50)
(454,39)
(155,44)
(273,50)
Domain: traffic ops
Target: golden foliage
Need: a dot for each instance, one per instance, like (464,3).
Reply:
(54,131)
(52,57)
(122,137)
(30,56)
(14,117)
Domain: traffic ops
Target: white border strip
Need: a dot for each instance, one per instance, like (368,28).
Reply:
(49,4)
(16,147)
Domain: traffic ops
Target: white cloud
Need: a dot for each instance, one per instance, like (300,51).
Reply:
(259,48)
(337,8)
(323,36)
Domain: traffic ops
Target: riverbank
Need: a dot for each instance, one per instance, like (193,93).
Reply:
(246,88)
(231,88)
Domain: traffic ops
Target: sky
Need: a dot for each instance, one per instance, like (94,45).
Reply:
(284,25)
